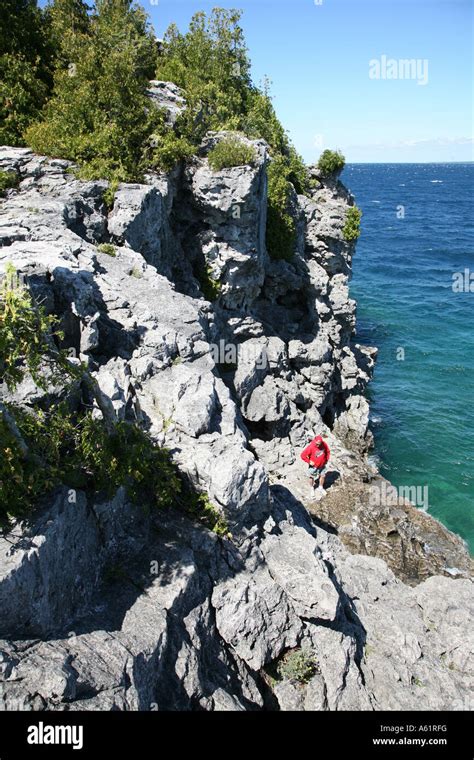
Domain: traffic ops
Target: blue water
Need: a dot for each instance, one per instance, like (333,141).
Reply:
(422,405)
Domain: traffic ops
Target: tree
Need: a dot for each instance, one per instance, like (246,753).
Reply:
(26,56)
(68,22)
(99,114)
(210,62)
(21,29)
(331,162)
(262,121)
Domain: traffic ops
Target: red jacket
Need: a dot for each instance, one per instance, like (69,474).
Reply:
(314,455)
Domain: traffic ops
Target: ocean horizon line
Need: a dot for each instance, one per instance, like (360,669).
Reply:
(407,163)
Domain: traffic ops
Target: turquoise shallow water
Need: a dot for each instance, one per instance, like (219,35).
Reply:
(422,406)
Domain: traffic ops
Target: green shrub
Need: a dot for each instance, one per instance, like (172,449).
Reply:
(230,151)
(299,665)
(351,229)
(210,287)
(298,175)
(22,479)
(281,228)
(200,507)
(7,180)
(169,149)
(109,194)
(74,449)
(26,334)
(261,120)
(107,248)
(126,457)
(331,161)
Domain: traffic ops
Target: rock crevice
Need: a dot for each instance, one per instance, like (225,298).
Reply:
(107,607)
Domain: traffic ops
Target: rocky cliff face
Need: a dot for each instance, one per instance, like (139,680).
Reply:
(105,606)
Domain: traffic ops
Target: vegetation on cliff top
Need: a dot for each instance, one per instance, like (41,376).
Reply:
(331,161)
(99,113)
(231,151)
(75,86)
(210,63)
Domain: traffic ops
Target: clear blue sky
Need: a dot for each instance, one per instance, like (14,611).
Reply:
(317,55)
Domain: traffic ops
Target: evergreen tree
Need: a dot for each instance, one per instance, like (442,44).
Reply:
(26,55)
(210,62)
(69,22)
(21,28)
(99,114)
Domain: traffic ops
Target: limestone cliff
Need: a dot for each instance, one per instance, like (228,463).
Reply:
(193,620)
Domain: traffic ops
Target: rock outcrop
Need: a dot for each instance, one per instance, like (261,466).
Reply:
(105,606)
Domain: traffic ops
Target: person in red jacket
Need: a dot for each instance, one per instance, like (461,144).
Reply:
(316,455)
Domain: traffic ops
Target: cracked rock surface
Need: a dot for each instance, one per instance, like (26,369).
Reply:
(104,606)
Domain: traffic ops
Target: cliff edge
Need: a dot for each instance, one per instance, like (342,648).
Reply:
(232,360)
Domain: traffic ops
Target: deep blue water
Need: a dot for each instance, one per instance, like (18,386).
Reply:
(422,405)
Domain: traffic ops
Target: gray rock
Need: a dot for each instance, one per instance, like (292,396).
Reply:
(315,695)
(230,205)
(43,581)
(293,564)
(255,617)
(168,96)
(290,697)
(108,606)
(139,219)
